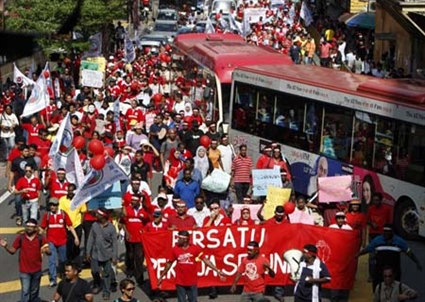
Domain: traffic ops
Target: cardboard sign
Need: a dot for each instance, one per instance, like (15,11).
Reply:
(275,197)
(91,78)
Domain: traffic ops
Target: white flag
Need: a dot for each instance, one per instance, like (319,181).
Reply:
(116,107)
(130,53)
(20,78)
(305,14)
(95,48)
(234,25)
(209,27)
(64,155)
(246,27)
(97,181)
(39,98)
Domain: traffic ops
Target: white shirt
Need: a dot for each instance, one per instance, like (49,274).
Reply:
(227,155)
(143,187)
(199,215)
(7,120)
(343,227)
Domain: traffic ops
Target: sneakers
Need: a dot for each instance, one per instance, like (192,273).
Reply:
(279,298)
(114,286)
(18,221)
(106,297)
(53,284)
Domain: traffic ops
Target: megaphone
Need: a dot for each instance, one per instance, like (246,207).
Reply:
(293,258)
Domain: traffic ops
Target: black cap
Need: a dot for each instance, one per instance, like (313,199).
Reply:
(279,209)
(183,233)
(310,248)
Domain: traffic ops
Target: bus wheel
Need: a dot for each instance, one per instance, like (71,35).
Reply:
(406,219)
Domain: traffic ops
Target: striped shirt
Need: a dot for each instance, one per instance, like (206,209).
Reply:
(241,168)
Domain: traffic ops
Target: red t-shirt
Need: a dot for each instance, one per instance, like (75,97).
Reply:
(168,212)
(43,146)
(134,222)
(56,226)
(14,153)
(379,215)
(58,189)
(356,220)
(224,220)
(152,227)
(33,185)
(272,221)
(187,264)
(30,255)
(32,132)
(253,270)
(186,223)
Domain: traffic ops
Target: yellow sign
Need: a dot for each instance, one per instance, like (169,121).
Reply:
(275,197)
(99,60)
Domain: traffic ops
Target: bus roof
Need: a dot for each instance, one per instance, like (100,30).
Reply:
(392,90)
(222,53)
(359,92)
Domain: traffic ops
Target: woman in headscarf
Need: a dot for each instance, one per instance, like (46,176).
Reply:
(245,218)
(202,162)
(188,109)
(173,165)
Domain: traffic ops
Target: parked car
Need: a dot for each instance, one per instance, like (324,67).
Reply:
(165,28)
(167,15)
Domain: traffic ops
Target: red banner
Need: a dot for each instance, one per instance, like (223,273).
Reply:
(226,247)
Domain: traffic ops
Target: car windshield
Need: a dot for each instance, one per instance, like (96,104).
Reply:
(226,6)
(169,15)
(154,38)
(165,27)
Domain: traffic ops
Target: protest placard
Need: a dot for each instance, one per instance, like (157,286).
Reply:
(91,78)
(110,199)
(262,178)
(275,197)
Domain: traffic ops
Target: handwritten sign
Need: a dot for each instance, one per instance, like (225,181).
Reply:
(275,197)
(100,61)
(253,209)
(335,188)
(262,178)
(110,199)
(91,78)
(254,14)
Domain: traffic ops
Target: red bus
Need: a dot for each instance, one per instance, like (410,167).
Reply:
(216,56)
(333,123)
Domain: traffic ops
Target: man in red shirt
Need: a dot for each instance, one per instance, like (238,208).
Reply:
(187,256)
(181,221)
(55,223)
(377,216)
(135,217)
(32,130)
(253,267)
(158,224)
(279,216)
(43,144)
(32,246)
(29,187)
(56,183)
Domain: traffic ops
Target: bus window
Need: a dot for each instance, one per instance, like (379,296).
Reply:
(337,133)
(363,140)
(408,158)
(265,107)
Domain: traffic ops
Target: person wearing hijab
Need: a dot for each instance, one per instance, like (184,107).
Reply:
(245,218)
(173,165)
(202,162)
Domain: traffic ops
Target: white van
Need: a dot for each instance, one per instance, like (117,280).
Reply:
(225,5)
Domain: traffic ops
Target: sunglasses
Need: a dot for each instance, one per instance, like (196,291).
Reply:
(199,202)
(28,170)
(130,288)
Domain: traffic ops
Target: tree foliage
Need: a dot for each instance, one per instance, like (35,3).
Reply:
(46,17)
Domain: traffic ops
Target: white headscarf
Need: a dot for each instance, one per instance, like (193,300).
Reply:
(202,163)
(188,105)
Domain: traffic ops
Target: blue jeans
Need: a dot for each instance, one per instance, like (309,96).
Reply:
(9,143)
(30,284)
(251,297)
(57,252)
(190,291)
(30,207)
(103,268)
(18,205)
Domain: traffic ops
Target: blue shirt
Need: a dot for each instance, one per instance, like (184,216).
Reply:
(196,176)
(187,191)
(396,244)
